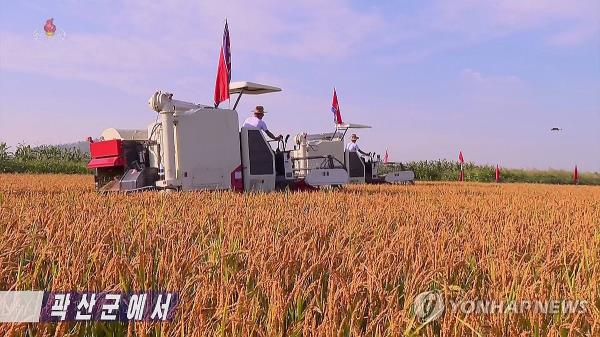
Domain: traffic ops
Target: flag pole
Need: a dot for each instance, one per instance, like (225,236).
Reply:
(229,79)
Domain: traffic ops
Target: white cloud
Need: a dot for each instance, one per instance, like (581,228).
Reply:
(124,63)
(489,94)
(446,25)
(473,77)
(300,30)
(488,19)
(145,41)
(574,37)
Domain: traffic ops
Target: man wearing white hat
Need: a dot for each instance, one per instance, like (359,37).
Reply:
(257,122)
(353,147)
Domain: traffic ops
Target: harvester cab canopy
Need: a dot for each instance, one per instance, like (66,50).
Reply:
(249,88)
(352,126)
(344,127)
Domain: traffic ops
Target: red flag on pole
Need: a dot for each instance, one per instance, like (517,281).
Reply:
(575,176)
(461,177)
(224,70)
(335,108)
(497,174)
(385,157)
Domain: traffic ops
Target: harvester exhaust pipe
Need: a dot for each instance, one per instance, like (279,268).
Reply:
(168,141)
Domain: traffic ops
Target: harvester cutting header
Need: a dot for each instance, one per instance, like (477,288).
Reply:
(195,147)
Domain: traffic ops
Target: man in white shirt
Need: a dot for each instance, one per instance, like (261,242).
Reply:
(353,147)
(257,122)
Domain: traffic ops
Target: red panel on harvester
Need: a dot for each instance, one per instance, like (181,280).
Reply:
(106,162)
(107,148)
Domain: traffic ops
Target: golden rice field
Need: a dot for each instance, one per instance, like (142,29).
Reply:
(327,263)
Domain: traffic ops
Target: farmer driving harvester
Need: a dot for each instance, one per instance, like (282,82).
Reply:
(257,122)
(353,147)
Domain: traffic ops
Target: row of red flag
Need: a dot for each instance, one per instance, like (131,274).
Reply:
(497,175)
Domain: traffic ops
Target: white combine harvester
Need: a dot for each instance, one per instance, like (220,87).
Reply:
(198,147)
(313,151)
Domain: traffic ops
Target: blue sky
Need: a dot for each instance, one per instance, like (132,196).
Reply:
(489,78)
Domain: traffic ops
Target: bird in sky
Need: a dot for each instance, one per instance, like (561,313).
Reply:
(556,129)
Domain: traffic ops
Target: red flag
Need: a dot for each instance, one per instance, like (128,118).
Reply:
(497,174)
(461,177)
(385,157)
(575,176)
(224,70)
(335,108)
